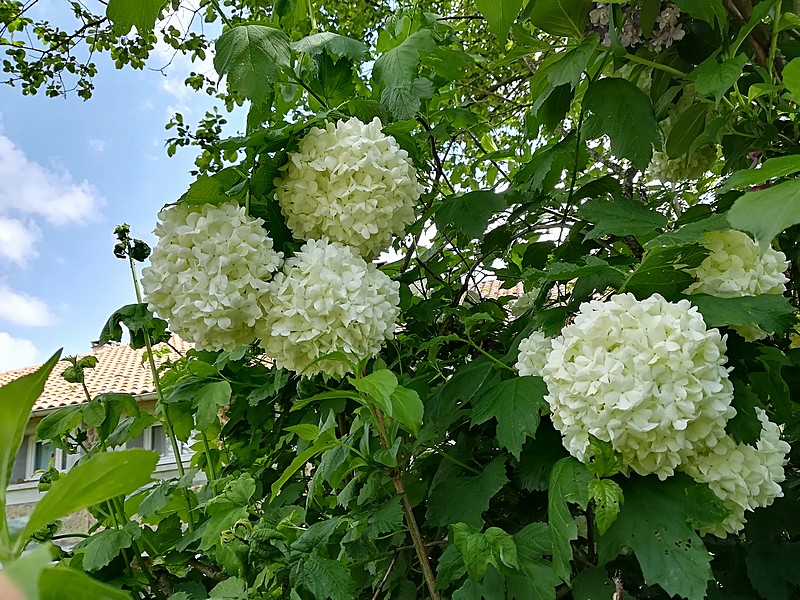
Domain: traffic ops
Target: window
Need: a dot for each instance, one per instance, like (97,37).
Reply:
(35,456)
(155,438)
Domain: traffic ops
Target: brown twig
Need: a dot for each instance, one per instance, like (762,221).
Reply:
(385,577)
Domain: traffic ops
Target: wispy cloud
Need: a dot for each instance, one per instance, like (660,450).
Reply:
(18,240)
(16,352)
(97,146)
(22,309)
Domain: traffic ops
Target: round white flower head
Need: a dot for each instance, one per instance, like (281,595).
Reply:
(736,267)
(208,272)
(647,376)
(532,355)
(744,477)
(349,183)
(327,299)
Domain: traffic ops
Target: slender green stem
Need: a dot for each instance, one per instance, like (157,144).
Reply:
(655,65)
(454,460)
(221,13)
(773,43)
(311,15)
(211,468)
(496,361)
(176,451)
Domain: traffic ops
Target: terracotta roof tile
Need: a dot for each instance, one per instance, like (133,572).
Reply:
(491,289)
(119,369)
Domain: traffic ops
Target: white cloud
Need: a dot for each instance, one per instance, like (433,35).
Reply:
(18,240)
(16,352)
(28,187)
(23,309)
(97,145)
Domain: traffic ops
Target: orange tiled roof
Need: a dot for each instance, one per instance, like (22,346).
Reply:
(119,369)
(491,289)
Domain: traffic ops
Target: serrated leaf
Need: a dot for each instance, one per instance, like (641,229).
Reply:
(772,168)
(561,17)
(765,213)
(617,108)
(395,73)
(379,386)
(601,458)
(407,409)
(569,483)
(607,497)
(474,494)
(450,567)
(325,578)
(469,213)
(772,313)
(474,548)
(516,405)
(663,271)
(251,56)
(208,400)
(658,523)
(620,216)
(142,14)
(713,78)
(569,68)
(338,45)
(104,546)
(690,233)
(333,81)
(138,319)
(500,14)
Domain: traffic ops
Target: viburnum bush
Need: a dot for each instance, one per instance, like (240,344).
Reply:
(489,300)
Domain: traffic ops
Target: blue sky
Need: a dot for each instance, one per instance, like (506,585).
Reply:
(69,172)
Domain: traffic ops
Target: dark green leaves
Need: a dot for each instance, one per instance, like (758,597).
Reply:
(139,320)
(337,45)
(500,15)
(469,213)
(780,166)
(685,130)
(561,17)
(617,108)
(479,550)
(325,578)
(658,523)
(395,72)
(569,483)
(516,405)
(620,216)
(473,494)
(250,56)
(771,313)
(662,271)
(141,14)
(209,399)
(103,547)
(767,212)
(713,78)
(58,583)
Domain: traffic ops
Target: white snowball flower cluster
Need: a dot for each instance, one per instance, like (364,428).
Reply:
(744,477)
(647,376)
(349,183)
(208,272)
(674,170)
(327,299)
(533,351)
(736,267)
(666,29)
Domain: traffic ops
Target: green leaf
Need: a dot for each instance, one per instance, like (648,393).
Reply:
(325,578)
(317,535)
(338,45)
(479,550)
(26,571)
(395,73)
(138,319)
(603,460)
(469,213)
(593,583)
(569,483)
(662,271)
(620,216)
(713,78)
(232,588)
(516,405)
(333,81)
(572,65)
(94,480)
(690,233)
(705,11)
(617,108)
(607,497)
(208,401)
(772,168)
(685,130)
(325,442)
(791,77)
(58,583)
(658,523)
(535,579)
(379,386)
(450,567)
(500,15)
(772,313)
(59,422)
(767,212)
(17,399)
(407,409)
(141,14)
(473,493)
(104,546)
(250,56)
(561,17)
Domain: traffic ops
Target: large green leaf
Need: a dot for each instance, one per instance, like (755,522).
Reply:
(500,14)
(26,571)
(141,14)
(535,579)
(139,320)
(617,108)
(569,484)
(573,63)
(685,130)
(607,497)
(767,212)
(251,56)
(473,494)
(208,400)
(395,73)
(620,216)
(407,409)
(713,78)
(16,402)
(59,583)
(336,44)
(469,213)
(658,523)
(106,545)
(325,578)
(770,312)
(480,549)
(780,166)
(516,405)
(690,233)
(561,17)
(663,271)
(97,479)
